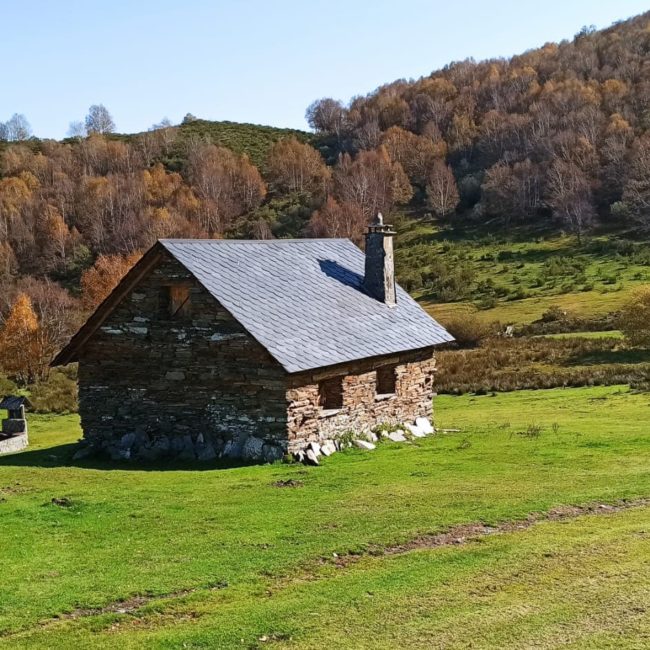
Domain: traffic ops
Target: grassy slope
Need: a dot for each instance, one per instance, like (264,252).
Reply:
(519,264)
(132,531)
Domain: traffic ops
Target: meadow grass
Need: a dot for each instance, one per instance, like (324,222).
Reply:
(549,361)
(607,334)
(577,584)
(517,276)
(223,557)
(521,312)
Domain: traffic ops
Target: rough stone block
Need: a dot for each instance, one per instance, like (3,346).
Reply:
(252,448)
(13,444)
(14,426)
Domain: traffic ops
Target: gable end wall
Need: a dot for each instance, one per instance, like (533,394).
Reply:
(150,386)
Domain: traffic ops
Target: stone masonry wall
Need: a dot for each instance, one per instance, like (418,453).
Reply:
(362,408)
(191,387)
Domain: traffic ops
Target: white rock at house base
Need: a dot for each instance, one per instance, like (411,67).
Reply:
(363,444)
(415,431)
(311,457)
(327,448)
(396,436)
(424,425)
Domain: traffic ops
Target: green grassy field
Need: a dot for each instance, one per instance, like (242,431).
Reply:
(219,557)
(520,312)
(516,276)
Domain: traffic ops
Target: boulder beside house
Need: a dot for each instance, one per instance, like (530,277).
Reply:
(252,349)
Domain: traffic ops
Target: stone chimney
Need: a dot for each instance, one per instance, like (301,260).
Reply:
(379,277)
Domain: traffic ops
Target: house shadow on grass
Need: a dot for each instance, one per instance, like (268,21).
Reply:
(62,456)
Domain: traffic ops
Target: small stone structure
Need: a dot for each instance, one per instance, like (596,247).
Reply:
(13,435)
(252,349)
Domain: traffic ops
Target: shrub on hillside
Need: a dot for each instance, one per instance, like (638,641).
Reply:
(547,325)
(7,387)
(553,314)
(634,319)
(57,394)
(469,331)
(448,282)
(531,363)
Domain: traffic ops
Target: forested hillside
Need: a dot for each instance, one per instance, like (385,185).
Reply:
(557,135)
(556,140)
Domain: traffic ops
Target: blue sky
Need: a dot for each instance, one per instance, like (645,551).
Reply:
(250,60)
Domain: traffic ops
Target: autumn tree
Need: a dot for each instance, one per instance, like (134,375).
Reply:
(57,315)
(415,153)
(442,192)
(19,345)
(336,219)
(297,167)
(513,193)
(98,281)
(52,237)
(634,318)
(570,196)
(8,262)
(326,116)
(99,120)
(636,195)
(15,195)
(372,181)
(226,184)
(16,129)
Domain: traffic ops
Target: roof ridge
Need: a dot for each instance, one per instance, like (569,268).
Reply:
(256,241)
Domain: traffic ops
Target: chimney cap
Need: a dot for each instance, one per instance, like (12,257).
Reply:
(378,226)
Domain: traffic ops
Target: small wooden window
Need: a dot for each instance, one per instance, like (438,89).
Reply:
(386,380)
(175,301)
(331,394)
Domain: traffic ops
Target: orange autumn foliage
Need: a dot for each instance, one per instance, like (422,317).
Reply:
(99,280)
(19,341)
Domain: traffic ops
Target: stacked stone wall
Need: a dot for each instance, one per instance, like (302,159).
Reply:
(189,387)
(363,408)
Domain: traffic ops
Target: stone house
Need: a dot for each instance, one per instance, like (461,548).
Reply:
(253,349)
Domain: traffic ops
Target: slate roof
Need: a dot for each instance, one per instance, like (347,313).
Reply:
(302,299)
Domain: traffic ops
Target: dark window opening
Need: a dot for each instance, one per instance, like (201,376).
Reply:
(175,301)
(331,393)
(386,380)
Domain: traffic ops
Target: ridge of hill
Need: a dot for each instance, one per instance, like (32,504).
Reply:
(254,140)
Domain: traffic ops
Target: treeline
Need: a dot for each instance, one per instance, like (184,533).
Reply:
(557,136)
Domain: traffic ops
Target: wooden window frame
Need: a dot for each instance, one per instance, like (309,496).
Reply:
(176,301)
